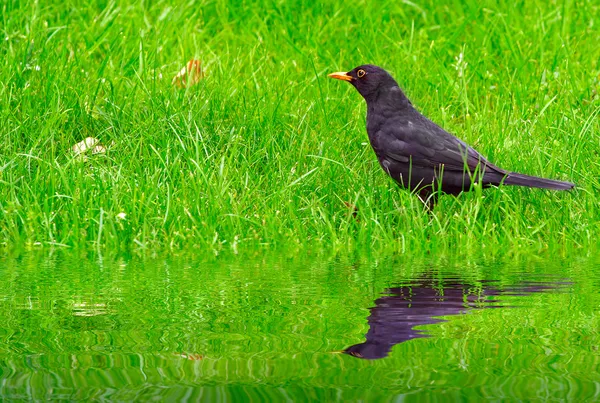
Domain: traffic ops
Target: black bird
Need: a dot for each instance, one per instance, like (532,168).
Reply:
(396,314)
(417,153)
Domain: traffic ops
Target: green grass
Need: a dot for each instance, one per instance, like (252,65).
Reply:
(267,150)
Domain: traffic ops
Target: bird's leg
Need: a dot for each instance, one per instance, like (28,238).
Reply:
(429,198)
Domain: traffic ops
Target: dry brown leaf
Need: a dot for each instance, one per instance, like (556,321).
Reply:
(91,144)
(189,75)
(99,149)
(84,145)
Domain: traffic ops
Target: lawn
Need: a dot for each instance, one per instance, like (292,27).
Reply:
(266,151)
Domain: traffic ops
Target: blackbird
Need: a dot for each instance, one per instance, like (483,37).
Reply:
(417,153)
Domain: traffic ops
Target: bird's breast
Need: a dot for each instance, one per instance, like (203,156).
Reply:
(374,124)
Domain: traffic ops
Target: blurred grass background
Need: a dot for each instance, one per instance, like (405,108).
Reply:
(266,151)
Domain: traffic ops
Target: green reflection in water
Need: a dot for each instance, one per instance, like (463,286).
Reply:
(272,328)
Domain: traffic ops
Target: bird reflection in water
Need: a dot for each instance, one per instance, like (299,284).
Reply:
(401,309)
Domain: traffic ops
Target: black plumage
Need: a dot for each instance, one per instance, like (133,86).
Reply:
(417,153)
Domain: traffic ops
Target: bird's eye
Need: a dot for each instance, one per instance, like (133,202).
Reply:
(361,73)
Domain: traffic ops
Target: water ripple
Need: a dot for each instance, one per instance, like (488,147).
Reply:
(271,328)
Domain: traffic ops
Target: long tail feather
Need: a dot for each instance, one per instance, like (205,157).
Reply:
(516,179)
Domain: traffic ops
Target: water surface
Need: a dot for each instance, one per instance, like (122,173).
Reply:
(299,328)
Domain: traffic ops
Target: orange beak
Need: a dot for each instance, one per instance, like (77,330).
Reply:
(341,76)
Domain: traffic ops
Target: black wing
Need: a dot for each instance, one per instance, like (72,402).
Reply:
(428,145)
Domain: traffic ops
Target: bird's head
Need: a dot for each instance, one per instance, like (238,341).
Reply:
(369,80)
